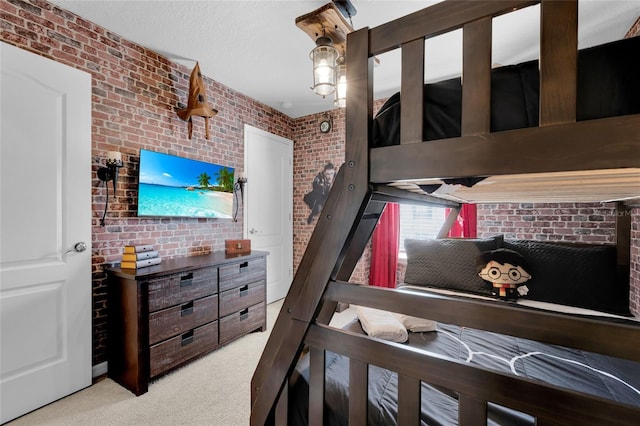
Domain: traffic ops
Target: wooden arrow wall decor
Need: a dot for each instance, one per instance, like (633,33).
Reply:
(197,103)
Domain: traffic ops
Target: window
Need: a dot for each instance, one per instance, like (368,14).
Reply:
(419,222)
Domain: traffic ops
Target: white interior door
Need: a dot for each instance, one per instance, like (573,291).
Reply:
(45,200)
(268,215)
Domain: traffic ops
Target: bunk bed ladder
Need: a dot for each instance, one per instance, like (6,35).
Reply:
(292,324)
(333,247)
(337,251)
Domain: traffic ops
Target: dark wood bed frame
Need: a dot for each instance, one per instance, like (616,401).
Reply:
(359,195)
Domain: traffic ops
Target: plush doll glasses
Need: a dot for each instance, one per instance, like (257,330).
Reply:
(506,271)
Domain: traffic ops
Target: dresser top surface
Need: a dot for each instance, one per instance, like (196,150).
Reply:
(176,265)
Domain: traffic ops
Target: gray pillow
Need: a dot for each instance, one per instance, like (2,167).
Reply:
(448,263)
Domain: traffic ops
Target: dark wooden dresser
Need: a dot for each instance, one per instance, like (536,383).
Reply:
(166,315)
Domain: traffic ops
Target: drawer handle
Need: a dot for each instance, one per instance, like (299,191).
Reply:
(244,265)
(244,314)
(244,290)
(186,280)
(186,309)
(186,338)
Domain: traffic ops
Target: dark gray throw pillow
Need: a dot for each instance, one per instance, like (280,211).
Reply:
(583,276)
(448,263)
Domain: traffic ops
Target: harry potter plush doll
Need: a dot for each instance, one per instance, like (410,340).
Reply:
(506,270)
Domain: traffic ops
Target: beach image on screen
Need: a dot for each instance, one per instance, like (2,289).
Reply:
(181,187)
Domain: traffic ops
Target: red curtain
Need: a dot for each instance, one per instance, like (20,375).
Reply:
(466,226)
(384,248)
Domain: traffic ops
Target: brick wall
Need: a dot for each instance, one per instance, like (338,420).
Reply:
(588,223)
(635,261)
(312,151)
(135,93)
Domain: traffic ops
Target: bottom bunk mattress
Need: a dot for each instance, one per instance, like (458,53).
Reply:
(595,374)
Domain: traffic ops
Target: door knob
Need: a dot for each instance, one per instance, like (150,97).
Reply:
(78,248)
(253,231)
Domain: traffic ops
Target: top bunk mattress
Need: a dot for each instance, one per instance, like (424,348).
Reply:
(607,80)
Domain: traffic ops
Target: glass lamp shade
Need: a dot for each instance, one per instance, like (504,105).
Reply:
(324,58)
(114,158)
(341,83)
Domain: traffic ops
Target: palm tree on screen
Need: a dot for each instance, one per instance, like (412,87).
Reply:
(225,179)
(204,180)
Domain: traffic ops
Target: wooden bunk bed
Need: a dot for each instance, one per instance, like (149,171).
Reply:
(559,144)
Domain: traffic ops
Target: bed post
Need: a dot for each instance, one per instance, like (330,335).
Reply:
(623,244)
(449,221)
(623,233)
(338,222)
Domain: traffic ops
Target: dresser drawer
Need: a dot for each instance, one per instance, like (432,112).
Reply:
(176,289)
(241,273)
(177,350)
(178,319)
(240,323)
(238,298)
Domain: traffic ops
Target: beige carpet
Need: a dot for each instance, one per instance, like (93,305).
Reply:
(213,390)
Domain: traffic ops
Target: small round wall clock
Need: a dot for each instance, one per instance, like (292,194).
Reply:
(325,124)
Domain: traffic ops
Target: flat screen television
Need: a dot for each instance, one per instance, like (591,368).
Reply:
(171,186)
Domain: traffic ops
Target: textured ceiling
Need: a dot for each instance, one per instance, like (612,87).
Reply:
(254,47)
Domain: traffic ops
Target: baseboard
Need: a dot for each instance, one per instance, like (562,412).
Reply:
(100,369)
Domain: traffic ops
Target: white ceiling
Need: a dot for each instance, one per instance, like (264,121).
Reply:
(255,48)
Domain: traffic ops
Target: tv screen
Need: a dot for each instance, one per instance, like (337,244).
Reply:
(180,187)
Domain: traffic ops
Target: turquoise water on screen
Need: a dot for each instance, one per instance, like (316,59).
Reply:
(160,200)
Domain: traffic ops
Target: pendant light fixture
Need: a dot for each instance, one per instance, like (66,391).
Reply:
(328,26)
(340,99)
(324,57)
